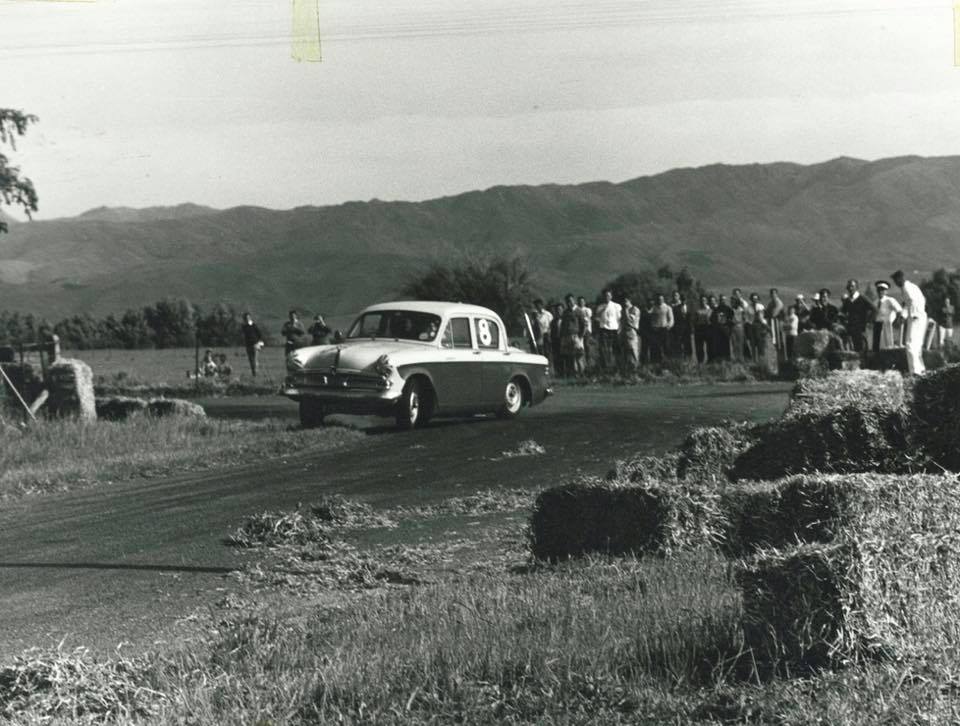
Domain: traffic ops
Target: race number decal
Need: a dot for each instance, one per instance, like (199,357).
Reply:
(483,332)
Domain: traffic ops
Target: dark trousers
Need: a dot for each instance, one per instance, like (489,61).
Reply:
(658,344)
(721,343)
(701,343)
(608,353)
(877,333)
(790,340)
(682,343)
(859,340)
(252,354)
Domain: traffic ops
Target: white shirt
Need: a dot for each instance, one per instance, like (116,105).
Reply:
(587,315)
(544,318)
(914,303)
(887,309)
(609,314)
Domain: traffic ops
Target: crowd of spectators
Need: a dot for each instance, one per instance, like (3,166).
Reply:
(619,335)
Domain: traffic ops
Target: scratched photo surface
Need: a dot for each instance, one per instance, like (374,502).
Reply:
(155,102)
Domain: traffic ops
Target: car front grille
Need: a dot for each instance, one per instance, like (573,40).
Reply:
(338,381)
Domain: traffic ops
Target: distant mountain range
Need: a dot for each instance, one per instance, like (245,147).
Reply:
(754,225)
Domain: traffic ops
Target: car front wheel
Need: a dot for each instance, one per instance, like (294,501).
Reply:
(512,400)
(311,414)
(412,405)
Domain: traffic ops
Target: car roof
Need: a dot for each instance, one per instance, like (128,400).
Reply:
(436,307)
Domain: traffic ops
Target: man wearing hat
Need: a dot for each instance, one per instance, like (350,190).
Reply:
(915,312)
(888,309)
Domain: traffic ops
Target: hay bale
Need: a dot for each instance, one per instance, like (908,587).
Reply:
(708,452)
(619,517)
(843,360)
(842,388)
(70,383)
(174,407)
(848,439)
(936,405)
(889,359)
(876,569)
(645,469)
(751,518)
(119,408)
(816,344)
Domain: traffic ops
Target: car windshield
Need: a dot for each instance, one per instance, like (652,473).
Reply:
(398,324)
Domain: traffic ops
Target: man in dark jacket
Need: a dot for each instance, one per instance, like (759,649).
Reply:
(824,314)
(857,313)
(320,332)
(252,341)
(292,333)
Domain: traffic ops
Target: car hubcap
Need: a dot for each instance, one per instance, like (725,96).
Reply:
(514,397)
(414,407)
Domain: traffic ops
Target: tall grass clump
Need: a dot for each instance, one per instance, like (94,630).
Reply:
(64,454)
(588,639)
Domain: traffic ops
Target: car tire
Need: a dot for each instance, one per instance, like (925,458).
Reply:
(512,399)
(413,410)
(311,414)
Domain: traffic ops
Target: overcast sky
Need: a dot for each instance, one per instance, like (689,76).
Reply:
(156,102)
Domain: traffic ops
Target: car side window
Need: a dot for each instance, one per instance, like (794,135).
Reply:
(457,334)
(488,334)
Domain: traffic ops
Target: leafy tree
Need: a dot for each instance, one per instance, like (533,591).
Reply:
(942,284)
(15,190)
(505,285)
(642,284)
(173,323)
(221,326)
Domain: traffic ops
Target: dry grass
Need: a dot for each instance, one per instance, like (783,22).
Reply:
(843,388)
(58,455)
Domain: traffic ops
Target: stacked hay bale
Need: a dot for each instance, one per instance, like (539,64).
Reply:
(936,404)
(863,388)
(70,383)
(815,353)
(621,517)
(174,407)
(119,408)
(862,565)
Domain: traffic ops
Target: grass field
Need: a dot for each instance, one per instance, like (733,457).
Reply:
(61,455)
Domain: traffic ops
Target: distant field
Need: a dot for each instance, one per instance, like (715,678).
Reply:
(171,365)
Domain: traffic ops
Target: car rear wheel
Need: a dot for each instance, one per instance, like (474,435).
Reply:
(413,405)
(311,414)
(512,399)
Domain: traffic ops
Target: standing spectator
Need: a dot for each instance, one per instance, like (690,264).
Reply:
(701,330)
(292,332)
(738,321)
(824,315)
(556,339)
(857,312)
(888,309)
(915,312)
(252,341)
(609,314)
(803,312)
(572,329)
(630,336)
(758,328)
(319,331)
(791,329)
(775,316)
(945,322)
(542,318)
(661,322)
(722,321)
(646,331)
(587,315)
(681,344)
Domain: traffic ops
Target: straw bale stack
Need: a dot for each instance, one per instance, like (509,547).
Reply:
(70,384)
(875,571)
(620,517)
(841,388)
(708,452)
(816,344)
(174,407)
(645,469)
(854,438)
(936,404)
(119,408)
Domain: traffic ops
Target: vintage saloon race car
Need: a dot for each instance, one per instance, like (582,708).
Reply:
(415,360)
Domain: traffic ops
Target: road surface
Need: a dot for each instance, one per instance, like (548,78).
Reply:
(121,563)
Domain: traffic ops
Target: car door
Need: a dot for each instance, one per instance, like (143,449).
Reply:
(495,364)
(456,375)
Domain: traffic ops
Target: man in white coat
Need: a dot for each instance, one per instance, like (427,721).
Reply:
(915,313)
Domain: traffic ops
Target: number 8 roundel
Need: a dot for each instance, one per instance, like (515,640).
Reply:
(483,332)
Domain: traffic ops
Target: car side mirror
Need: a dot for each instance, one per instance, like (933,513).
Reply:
(338,336)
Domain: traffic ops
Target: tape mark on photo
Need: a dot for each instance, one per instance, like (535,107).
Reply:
(306,30)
